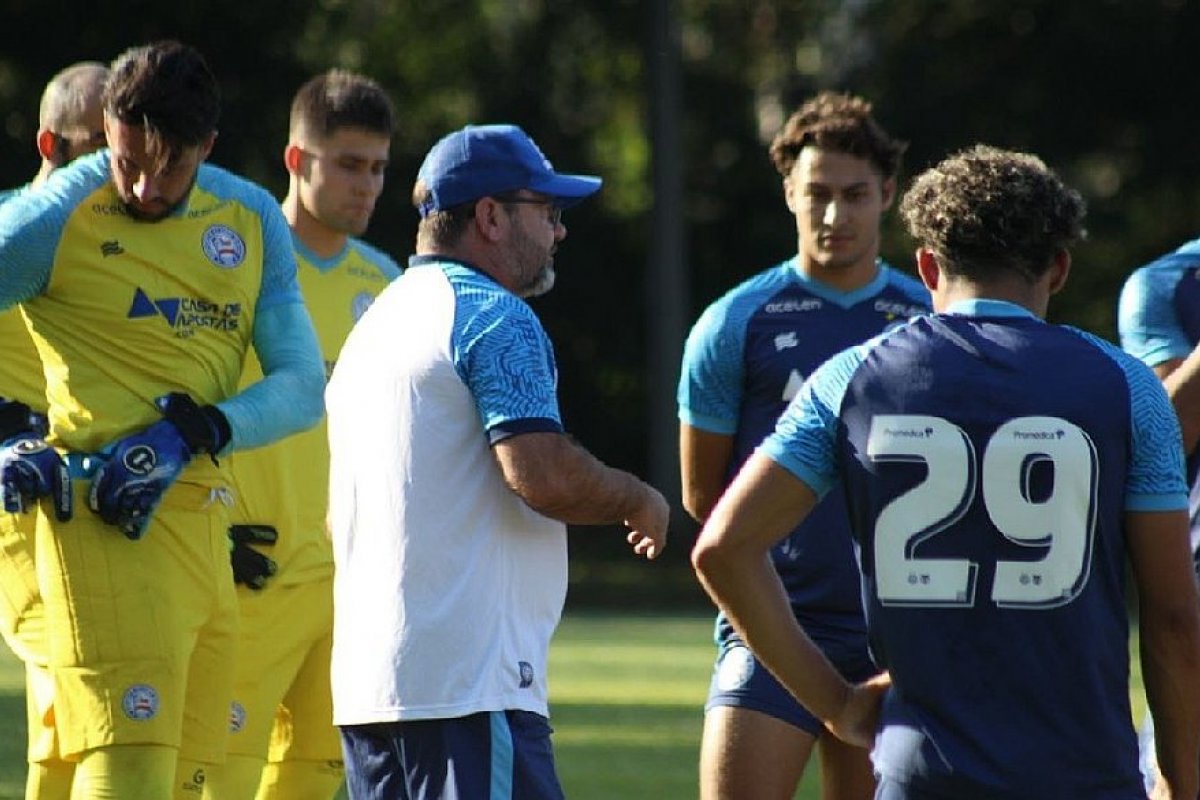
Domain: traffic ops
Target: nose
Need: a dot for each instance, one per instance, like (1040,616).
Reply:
(145,187)
(833,212)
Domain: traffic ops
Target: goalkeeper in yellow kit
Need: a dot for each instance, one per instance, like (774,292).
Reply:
(338,143)
(146,276)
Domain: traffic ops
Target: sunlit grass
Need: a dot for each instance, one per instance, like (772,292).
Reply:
(626,699)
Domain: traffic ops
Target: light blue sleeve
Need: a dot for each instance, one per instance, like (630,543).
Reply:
(289,398)
(713,371)
(1156,479)
(503,355)
(1146,320)
(805,437)
(279,285)
(31,226)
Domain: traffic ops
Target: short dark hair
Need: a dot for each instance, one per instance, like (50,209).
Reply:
(167,89)
(841,123)
(984,210)
(443,228)
(341,99)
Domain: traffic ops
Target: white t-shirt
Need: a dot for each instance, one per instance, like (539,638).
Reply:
(447,586)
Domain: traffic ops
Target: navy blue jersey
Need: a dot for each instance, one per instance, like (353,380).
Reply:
(1158,318)
(745,359)
(988,459)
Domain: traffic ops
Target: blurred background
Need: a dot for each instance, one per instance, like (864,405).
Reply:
(673,103)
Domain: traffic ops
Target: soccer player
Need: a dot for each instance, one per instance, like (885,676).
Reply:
(146,276)
(744,360)
(450,480)
(1001,474)
(337,151)
(70,125)
(1158,318)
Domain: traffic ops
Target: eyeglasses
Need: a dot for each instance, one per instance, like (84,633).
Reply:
(555,215)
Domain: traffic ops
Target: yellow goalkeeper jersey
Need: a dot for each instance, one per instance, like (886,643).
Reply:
(286,484)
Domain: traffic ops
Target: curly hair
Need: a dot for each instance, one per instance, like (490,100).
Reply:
(984,210)
(841,123)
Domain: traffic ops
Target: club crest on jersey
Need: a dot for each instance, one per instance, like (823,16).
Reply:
(526,670)
(140,702)
(223,246)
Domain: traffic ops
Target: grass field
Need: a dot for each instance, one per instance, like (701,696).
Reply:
(626,697)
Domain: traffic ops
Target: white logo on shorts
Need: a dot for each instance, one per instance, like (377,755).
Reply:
(735,669)
(140,702)
(223,246)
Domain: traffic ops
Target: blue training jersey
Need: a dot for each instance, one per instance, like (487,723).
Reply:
(745,358)
(989,458)
(1158,318)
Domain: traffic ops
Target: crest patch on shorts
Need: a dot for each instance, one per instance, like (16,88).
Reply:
(735,669)
(140,702)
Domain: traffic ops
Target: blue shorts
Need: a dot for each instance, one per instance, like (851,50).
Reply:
(740,680)
(493,755)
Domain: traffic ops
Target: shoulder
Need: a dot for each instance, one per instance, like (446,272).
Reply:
(748,297)
(386,265)
(225,185)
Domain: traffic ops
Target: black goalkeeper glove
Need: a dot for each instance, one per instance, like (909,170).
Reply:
(251,567)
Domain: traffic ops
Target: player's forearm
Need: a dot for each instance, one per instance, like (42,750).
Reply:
(290,397)
(1170,654)
(571,485)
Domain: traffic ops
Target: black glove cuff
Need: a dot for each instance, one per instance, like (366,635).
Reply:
(14,419)
(204,428)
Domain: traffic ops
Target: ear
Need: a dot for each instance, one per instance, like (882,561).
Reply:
(207,146)
(889,193)
(487,219)
(789,194)
(928,269)
(1059,270)
(292,156)
(47,146)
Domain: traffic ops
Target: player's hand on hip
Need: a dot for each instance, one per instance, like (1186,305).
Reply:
(141,467)
(858,719)
(648,524)
(250,567)
(31,469)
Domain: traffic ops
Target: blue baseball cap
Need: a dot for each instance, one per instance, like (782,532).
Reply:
(482,160)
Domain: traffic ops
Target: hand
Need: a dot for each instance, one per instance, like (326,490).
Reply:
(139,470)
(649,524)
(31,469)
(251,567)
(858,719)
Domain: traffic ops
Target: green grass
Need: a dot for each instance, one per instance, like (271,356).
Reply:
(626,695)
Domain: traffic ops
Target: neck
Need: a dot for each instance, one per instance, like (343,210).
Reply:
(843,278)
(43,173)
(318,237)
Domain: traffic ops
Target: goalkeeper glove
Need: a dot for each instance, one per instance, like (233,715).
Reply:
(251,567)
(140,468)
(30,468)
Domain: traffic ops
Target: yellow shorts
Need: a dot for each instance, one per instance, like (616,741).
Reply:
(283,674)
(22,623)
(142,634)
